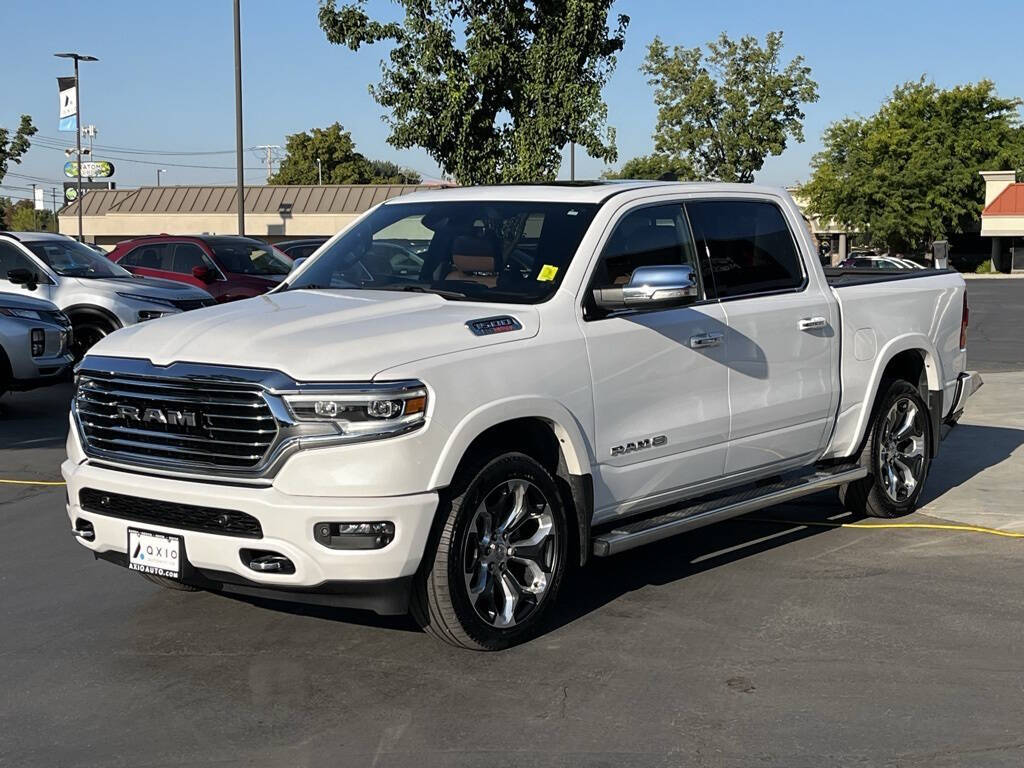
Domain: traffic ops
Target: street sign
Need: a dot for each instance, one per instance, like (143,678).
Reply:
(91,169)
(71,191)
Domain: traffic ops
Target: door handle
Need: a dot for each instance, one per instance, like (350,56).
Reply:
(812,323)
(705,340)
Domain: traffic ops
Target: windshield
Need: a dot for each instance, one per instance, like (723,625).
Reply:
(250,257)
(69,258)
(509,252)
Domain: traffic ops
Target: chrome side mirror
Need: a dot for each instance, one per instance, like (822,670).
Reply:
(651,288)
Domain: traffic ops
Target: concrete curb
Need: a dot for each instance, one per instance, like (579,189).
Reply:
(993,276)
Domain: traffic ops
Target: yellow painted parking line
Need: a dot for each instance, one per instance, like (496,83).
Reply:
(31,482)
(880,526)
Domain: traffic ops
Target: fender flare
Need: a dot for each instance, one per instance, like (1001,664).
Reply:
(911,342)
(572,443)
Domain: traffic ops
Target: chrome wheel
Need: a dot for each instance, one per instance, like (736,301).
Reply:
(510,553)
(901,460)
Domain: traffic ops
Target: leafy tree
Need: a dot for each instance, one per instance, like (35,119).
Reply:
(12,149)
(909,174)
(654,167)
(24,218)
(341,164)
(386,172)
(491,89)
(723,113)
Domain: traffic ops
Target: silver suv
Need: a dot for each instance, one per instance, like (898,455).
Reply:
(35,338)
(97,295)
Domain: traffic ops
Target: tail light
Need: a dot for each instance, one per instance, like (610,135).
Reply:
(963,323)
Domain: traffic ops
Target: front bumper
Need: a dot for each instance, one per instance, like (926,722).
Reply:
(35,372)
(372,578)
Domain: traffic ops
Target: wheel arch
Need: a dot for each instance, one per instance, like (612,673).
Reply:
(93,312)
(543,430)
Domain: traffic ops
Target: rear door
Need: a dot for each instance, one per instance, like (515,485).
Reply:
(781,347)
(659,377)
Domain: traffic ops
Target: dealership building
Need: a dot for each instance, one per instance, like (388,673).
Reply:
(273,213)
(1002,219)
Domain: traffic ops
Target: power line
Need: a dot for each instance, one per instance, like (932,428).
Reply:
(138,151)
(117,157)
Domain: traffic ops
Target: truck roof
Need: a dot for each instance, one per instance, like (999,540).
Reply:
(569,192)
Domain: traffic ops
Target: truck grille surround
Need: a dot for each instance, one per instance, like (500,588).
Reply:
(194,418)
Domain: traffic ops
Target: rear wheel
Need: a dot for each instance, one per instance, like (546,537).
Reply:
(500,558)
(163,581)
(899,455)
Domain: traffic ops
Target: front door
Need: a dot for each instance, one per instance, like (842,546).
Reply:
(782,359)
(659,377)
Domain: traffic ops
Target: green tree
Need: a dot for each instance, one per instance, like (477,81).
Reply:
(909,174)
(12,148)
(386,172)
(721,114)
(23,217)
(491,89)
(341,164)
(654,166)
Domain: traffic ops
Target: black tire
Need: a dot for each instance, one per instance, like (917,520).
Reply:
(873,496)
(163,581)
(441,601)
(85,333)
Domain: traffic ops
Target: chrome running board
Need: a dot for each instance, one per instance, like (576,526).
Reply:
(719,506)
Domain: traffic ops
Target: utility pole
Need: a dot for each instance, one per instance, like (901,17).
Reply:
(269,160)
(56,226)
(78,129)
(35,216)
(239,174)
(158,172)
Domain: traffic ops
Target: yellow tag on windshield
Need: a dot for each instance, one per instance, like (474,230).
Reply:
(547,273)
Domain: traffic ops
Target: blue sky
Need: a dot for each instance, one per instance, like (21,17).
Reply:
(165,79)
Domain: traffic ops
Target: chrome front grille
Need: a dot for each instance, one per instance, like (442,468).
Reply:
(175,422)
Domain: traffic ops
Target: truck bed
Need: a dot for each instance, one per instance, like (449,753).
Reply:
(841,277)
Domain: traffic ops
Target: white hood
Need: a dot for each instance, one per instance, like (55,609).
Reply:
(317,335)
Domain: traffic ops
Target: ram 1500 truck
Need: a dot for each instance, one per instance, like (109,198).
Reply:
(575,371)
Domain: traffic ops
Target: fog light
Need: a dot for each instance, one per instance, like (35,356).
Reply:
(354,535)
(38,342)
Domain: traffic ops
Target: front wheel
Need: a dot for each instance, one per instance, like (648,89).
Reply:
(86,334)
(899,454)
(500,558)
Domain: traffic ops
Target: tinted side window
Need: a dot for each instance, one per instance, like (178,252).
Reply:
(12,258)
(149,256)
(188,256)
(647,237)
(749,244)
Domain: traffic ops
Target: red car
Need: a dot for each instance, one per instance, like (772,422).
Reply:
(227,266)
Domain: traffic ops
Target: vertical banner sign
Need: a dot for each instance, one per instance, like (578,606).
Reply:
(68,104)
(39,202)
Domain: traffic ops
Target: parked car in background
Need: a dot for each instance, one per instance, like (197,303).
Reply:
(35,341)
(97,295)
(300,249)
(574,372)
(227,266)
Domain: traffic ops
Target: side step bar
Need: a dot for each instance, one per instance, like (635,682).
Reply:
(719,506)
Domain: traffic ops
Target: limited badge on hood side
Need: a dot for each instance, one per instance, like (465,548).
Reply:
(487,326)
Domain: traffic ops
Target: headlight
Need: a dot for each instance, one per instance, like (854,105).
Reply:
(375,410)
(150,299)
(29,314)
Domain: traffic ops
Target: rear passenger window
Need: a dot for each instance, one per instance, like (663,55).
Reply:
(647,237)
(749,244)
(151,256)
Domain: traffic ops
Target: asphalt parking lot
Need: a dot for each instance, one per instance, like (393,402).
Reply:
(774,640)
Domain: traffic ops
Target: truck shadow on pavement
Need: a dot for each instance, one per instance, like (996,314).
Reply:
(37,419)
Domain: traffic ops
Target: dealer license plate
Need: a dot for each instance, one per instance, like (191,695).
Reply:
(156,553)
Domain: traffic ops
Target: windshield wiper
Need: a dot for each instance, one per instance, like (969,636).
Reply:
(419,289)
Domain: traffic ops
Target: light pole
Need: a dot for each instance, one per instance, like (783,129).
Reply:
(158,172)
(239,176)
(78,130)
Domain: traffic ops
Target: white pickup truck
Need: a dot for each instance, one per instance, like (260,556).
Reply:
(469,391)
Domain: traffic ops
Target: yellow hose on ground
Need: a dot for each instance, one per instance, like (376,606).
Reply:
(879,526)
(31,482)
